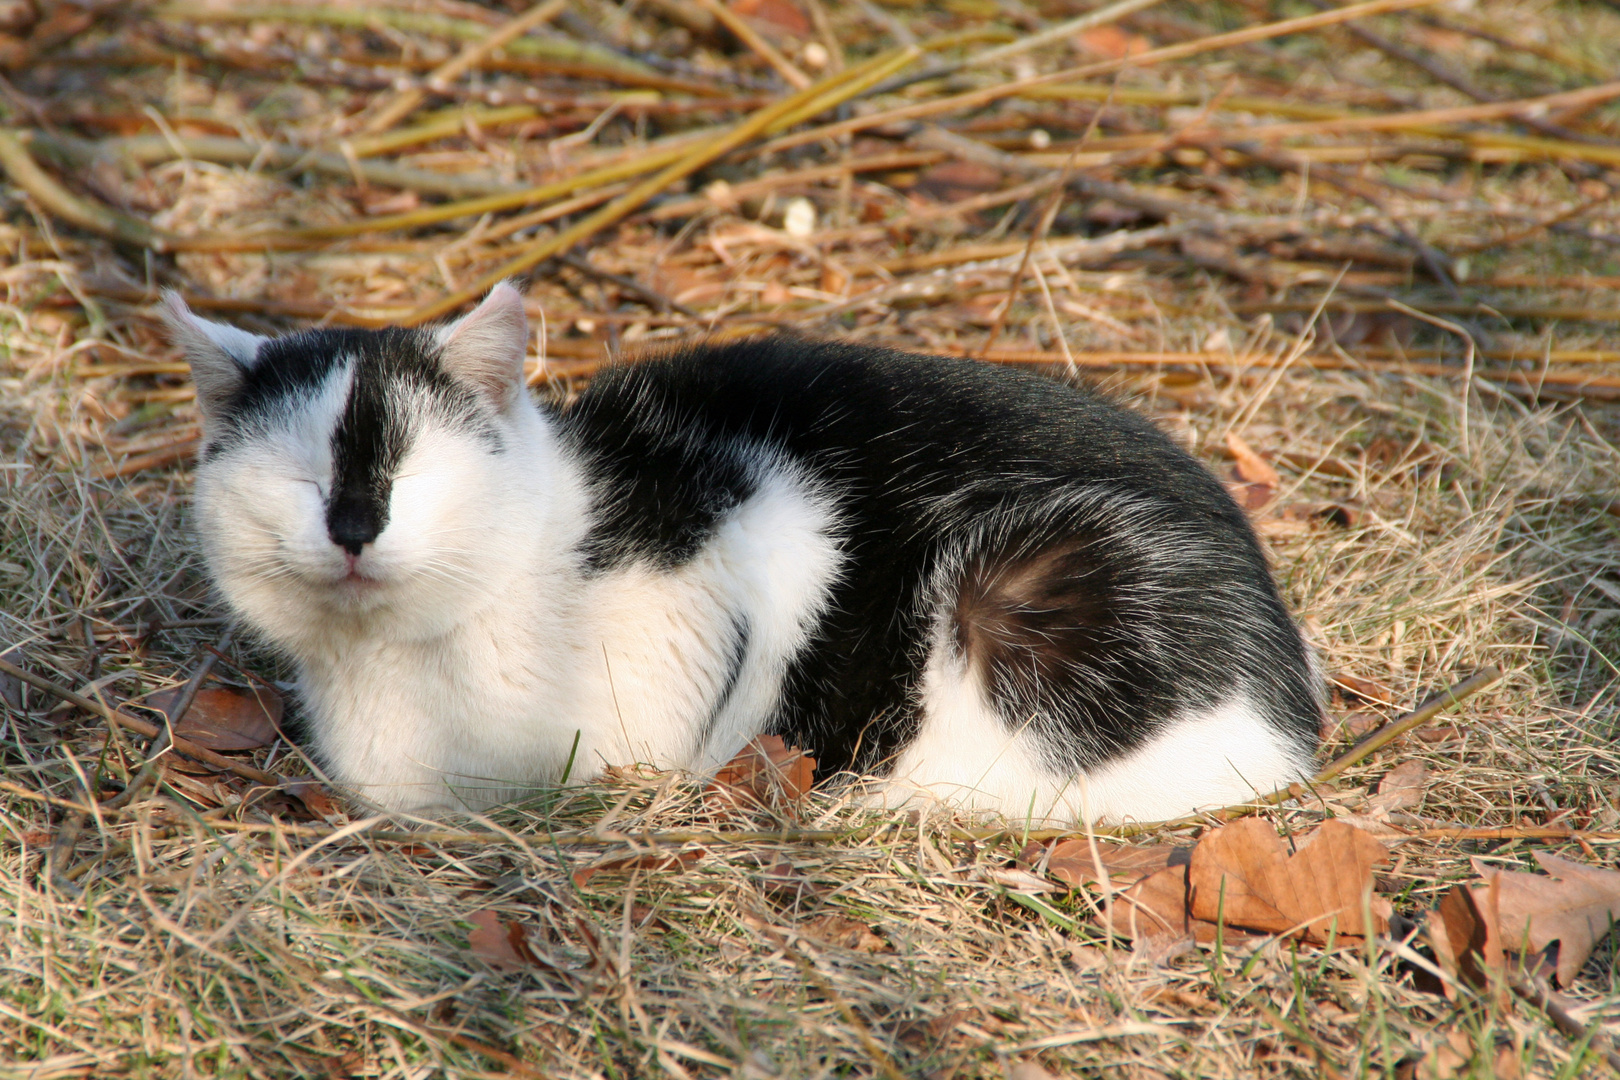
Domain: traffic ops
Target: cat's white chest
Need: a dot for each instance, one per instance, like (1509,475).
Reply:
(574,670)
(444,722)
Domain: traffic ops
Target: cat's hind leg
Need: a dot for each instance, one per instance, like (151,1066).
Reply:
(1076,674)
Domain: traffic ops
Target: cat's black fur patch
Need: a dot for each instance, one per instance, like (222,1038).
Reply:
(367,445)
(660,484)
(1047,522)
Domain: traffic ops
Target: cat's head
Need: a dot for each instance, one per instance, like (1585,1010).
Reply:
(360,478)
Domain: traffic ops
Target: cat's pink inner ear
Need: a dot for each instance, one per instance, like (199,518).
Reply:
(219,355)
(486,348)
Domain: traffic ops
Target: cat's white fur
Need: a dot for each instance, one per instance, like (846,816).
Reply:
(1169,775)
(464,671)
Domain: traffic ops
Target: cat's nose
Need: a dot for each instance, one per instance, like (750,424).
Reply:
(352,525)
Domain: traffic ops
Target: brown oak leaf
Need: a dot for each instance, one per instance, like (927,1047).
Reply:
(1365,689)
(845,933)
(1110,42)
(1154,912)
(1401,789)
(1462,933)
(1249,466)
(1242,875)
(651,860)
(221,719)
(1351,725)
(501,944)
(956,181)
(1071,861)
(1154,907)
(767,772)
(316,799)
(1574,905)
(1257,481)
(778,20)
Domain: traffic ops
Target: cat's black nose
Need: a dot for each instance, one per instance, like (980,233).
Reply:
(352,524)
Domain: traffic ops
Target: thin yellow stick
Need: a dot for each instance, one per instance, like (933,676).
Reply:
(607,174)
(26,174)
(438,126)
(764,49)
(405,102)
(976,98)
(817,98)
(1494,110)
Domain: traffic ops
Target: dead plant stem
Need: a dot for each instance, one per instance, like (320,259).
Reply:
(405,102)
(820,97)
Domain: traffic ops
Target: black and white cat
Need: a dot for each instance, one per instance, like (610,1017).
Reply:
(974,583)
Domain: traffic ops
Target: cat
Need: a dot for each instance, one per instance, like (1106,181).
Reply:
(973,583)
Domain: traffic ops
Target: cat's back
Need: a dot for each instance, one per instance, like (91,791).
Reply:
(881,424)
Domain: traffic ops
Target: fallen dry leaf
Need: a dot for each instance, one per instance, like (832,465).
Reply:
(1355,725)
(927,1037)
(1401,789)
(1111,43)
(1249,466)
(1575,905)
(651,860)
(1188,1001)
(316,799)
(1154,907)
(954,181)
(845,933)
(1505,1063)
(1433,734)
(1451,1053)
(1071,861)
(778,20)
(785,881)
(1153,913)
(1460,934)
(501,944)
(1342,515)
(1397,457)
(221,719)
(767,772)
(1176,893)
(1243,875)
(1271,528)
(1447,1057)
(1365,689)
(1011,877)
(204,789)
(1254,497)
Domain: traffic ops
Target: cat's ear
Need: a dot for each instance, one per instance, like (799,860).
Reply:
(219,355)
(486,347)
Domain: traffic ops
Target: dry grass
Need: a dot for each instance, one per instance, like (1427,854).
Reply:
(188,935)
